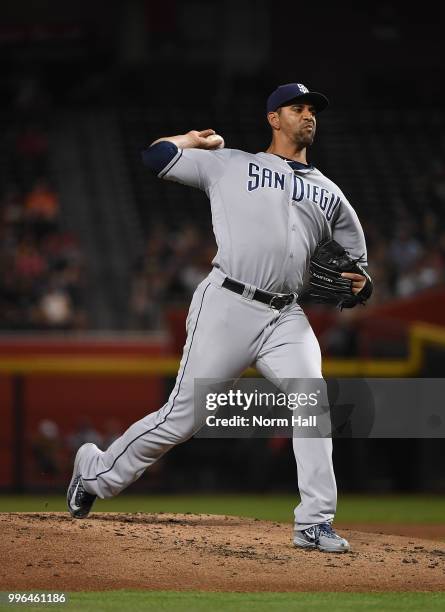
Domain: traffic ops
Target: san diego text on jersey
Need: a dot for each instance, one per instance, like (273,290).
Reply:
(262,177)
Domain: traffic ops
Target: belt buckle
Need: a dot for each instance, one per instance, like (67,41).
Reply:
(277,302)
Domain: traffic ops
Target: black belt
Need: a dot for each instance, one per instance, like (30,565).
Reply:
(274,300)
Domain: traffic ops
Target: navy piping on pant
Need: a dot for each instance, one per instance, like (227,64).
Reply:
(168,413)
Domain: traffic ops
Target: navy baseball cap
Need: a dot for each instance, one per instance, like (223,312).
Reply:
(290,91)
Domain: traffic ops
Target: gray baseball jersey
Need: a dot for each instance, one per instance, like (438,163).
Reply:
(268,218)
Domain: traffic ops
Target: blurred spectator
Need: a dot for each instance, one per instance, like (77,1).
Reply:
(340,339)
(404,249)
(42,208)
(46,447)
(428,272)
(145,308)
(84,432)
(55,309)
(29,263)
(41,202)
(12,207)
(198,267)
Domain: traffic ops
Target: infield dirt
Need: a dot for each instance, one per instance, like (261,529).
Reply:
(207,552)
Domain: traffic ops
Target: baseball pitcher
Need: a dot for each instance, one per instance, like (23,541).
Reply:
(276,218)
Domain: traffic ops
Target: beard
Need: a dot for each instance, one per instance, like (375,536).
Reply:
(304,137)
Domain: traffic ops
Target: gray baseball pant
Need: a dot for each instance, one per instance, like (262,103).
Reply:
(226,333)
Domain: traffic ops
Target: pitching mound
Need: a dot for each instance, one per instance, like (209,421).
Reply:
(202,552)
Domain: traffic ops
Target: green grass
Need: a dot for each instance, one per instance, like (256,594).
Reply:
(351,508)
(171,601)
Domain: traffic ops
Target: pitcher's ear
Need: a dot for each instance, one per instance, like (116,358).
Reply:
(274,120)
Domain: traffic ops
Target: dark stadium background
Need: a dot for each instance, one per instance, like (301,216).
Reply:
(99,259)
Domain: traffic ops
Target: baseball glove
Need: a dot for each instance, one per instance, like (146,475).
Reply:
(326,284)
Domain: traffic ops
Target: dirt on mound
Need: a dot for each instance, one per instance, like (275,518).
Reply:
(203,552)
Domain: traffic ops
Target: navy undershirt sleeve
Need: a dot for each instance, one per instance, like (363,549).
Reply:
(159,155)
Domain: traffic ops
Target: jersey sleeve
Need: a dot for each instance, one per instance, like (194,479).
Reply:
(348,232)
(159,155)
(196,167)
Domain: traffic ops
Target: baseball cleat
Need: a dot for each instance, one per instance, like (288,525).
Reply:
(321,536)
(78,499)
